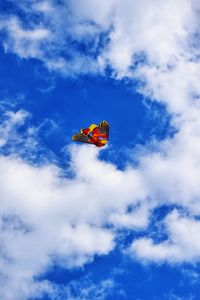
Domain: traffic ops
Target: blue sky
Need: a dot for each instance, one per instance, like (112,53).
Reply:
(78,222)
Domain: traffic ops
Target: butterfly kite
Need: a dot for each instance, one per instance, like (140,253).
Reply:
(95,134)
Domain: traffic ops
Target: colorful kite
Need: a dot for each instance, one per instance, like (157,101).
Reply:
(95,134)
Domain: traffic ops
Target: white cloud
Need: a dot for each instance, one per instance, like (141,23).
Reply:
(145,29)
(9,124)
(172,178)
(136,220)
(47,218)
(25,42)
(182,244)
(164,43)
(40,222)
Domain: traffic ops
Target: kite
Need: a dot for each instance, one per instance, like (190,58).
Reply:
(95,134)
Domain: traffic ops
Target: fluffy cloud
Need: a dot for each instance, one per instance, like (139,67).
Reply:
(41,221)
(142,41)
(47,218)
(172,178)
(126,36)
(182,244)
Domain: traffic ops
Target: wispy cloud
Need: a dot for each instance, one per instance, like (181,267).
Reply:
(10,121)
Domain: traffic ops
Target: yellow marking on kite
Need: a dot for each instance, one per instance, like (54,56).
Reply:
(74,137)
(92,126)
(104,142)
